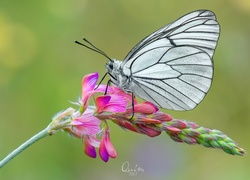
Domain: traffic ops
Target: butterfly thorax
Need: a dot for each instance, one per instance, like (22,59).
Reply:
(117,77)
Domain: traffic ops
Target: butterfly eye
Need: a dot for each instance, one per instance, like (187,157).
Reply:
(110,64)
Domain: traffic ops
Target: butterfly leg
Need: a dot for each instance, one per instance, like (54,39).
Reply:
(101,81)
(108,84)
(133,106)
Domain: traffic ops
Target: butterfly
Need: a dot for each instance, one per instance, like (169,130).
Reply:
(173,66)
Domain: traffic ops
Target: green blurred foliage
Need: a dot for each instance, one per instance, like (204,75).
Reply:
(41,70)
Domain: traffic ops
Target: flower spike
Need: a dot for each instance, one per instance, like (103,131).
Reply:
(115,106)
(90,123)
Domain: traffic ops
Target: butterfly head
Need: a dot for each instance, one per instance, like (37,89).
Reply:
(110,66)
(113,68)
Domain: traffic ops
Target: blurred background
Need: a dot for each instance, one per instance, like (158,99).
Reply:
(41,70)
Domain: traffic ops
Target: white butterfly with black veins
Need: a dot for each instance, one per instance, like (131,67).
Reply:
(172,67)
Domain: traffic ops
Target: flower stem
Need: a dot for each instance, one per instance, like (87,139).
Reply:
(25,145)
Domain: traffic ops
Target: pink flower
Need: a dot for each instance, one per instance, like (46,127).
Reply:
(89,148)
(88,89)
(106,148)
(86,124)
(113,103)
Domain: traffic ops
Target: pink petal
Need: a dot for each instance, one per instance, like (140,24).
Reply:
(103,151)
(149,121)
(86,124)
(111,89)
(88,148)
(116,104)
(101,102)
(127,96)
(148,131)
(172,129)
(115,90)
(162,116)
(88,83)
(126,124)
(146,108)
(86,97)
(179,124)
(75,122)
(103,87)
(109,146)
(94,141)
(78,132)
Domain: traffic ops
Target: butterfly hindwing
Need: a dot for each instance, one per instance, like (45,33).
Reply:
(175,83)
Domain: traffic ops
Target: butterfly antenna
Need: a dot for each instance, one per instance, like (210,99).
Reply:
(93,48)
(99,50)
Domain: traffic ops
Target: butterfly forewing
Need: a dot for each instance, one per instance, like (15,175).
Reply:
(200,25)
(173,66)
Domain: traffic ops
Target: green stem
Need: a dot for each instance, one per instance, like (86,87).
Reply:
(25,145)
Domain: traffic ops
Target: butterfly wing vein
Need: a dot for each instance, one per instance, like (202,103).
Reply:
(173,66)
